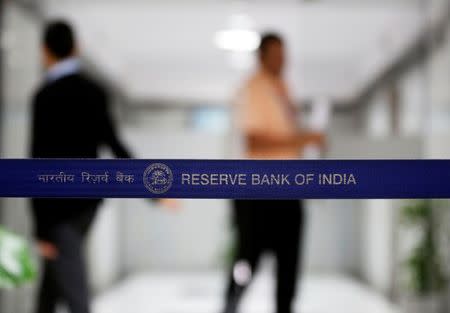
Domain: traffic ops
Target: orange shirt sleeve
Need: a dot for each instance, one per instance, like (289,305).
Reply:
(263,112)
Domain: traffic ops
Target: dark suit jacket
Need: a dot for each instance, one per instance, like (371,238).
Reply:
(70,120)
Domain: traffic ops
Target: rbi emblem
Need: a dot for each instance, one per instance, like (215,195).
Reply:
(158,178)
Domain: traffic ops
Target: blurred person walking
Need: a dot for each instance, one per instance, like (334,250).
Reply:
(70,120)
(267,119)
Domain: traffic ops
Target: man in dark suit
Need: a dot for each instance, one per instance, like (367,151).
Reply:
(70,120)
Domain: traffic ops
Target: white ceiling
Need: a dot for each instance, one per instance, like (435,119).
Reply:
(165,52)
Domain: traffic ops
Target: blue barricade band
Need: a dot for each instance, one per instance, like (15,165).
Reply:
(225,179)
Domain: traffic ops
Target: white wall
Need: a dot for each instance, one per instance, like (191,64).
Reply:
(375,228)
(21,74)
(340,233)
(193,238)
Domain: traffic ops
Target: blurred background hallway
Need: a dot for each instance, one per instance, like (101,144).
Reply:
(172,69)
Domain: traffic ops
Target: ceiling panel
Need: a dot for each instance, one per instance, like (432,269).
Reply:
(166,51)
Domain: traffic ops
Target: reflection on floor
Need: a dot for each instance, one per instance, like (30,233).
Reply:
(201,293)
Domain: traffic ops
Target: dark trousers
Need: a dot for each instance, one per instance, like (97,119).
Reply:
(65,279)
(267,225)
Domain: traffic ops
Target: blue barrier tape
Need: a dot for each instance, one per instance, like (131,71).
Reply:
(225,179)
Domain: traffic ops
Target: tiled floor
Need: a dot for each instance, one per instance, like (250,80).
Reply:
(201,293)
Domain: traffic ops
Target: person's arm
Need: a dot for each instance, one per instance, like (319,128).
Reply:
(46,247)
(109,133)
(261,125)
(109,136)
(40,218)
(37,128)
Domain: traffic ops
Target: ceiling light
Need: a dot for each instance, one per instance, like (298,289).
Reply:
(237,40)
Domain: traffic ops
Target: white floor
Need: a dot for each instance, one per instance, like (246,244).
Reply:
(202,293)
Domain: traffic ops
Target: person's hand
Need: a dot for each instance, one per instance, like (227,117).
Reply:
(170,204)
(47,250)
(306,138)
(318,139)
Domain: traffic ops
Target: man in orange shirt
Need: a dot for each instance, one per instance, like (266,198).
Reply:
(267,119)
